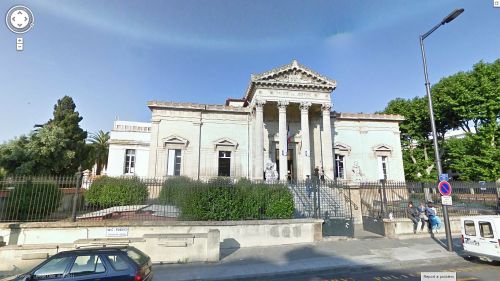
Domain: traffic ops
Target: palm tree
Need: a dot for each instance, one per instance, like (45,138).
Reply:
(100,148)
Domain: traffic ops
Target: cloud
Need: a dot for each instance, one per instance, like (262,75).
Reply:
(145,33)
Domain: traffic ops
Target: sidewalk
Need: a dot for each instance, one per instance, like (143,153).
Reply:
(326,255)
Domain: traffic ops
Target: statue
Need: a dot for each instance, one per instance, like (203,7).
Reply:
(270,172)
(356,172)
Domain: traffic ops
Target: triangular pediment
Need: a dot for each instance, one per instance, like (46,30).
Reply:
(294,73)
(382,147)
(225,142)
(174,139)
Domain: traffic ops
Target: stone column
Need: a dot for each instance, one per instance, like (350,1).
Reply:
(283,142)
(259,140)
(327,145)
(306,145)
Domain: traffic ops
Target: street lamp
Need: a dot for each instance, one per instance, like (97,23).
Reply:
(446,20)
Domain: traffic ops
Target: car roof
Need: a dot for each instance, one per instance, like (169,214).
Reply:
(488,217)
(94,250)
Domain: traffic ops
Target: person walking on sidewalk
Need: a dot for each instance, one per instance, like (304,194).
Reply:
(413,215)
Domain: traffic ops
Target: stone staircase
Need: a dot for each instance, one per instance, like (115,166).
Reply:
(331,202)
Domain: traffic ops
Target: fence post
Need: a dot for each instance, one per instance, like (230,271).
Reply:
(78,184)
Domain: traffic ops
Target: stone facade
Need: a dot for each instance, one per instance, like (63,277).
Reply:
(286,117)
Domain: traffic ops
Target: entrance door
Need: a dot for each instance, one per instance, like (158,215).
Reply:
(291,175)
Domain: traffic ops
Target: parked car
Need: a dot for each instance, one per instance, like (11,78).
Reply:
(481,236)
(113,263)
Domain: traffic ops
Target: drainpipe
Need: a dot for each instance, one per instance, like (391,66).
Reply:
(199,143)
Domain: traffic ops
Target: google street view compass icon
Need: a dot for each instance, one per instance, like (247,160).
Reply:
(19,19)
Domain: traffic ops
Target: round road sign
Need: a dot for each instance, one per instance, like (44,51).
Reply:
(444,188)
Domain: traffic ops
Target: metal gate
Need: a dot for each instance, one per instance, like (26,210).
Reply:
(327,200)
(373,207)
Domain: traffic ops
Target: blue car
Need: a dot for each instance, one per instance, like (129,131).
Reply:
(113,263)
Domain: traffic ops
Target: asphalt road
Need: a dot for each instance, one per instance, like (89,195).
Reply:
(465,271)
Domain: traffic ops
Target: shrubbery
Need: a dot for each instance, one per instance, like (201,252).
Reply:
(220,199)
(32,200)
(109,192)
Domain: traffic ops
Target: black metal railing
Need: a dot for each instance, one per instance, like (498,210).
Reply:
(390,199)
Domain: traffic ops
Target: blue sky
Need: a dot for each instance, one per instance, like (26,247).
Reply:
(114,56)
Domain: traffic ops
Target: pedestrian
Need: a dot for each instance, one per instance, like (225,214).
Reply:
(322,174)
(308,186)
(421,213)
(413,215)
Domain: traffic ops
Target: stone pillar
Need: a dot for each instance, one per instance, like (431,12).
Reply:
(283,140)
(259,140)
(327,145)
(306,140)
(153,149)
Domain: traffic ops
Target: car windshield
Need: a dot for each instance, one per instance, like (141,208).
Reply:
(139,257)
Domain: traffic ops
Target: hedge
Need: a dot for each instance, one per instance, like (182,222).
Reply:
(219,199)
(108,192)
(32,200)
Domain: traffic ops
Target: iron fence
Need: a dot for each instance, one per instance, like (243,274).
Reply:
(390,199)
(26,199)
(73,198)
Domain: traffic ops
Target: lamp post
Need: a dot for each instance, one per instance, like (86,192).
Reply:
(446,20)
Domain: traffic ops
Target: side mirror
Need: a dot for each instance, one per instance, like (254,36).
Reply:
(28,277)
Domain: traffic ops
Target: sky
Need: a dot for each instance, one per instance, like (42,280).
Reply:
(114,56)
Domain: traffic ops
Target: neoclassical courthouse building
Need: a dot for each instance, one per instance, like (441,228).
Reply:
(284,126)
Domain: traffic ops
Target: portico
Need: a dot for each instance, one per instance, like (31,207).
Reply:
(290,87)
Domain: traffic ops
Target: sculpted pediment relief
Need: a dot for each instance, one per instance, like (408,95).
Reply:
(294,73)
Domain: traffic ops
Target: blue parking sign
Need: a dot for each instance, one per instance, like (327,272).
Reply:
(443,177)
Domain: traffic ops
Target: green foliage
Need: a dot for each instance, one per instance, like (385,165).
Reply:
(219,199)
(99,149)
(173,189)
(108,192)
(32,200)
(57,148)
(469,101)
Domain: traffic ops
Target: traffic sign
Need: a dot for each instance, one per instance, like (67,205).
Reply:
(444,188)
(446,200)
(443,177)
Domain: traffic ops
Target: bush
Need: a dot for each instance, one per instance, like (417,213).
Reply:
(220,199)
(108,192)
(32,200)
(173,190)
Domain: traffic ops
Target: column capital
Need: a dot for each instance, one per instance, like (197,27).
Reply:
(304,106)
(259,104)
(326,107)
(283,104)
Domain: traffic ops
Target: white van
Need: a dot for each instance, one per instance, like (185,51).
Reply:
(481,236)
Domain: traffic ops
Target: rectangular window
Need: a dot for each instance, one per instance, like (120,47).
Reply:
(174,162)
(118,262)
(88,264)
(129,161)
(339,166)
(486,230)
(224,163)
(470,228)
(382,167)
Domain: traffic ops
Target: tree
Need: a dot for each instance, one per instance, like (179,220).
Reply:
(99,149)
(469,101)
(58,148)
(67,119)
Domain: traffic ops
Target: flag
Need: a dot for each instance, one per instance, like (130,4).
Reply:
(288,135)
